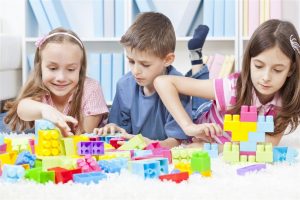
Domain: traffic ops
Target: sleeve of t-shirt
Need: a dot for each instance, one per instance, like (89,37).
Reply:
(94,102)
(225,92)
(119,114)
(172,128)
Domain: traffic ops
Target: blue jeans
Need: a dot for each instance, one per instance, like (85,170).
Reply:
(199,105)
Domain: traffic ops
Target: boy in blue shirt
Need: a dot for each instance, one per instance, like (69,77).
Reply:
(149,44)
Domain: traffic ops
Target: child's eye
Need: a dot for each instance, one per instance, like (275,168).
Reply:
(71,69)
(146,65)
(131,62)
(52,68)
(258,66)
(277,70)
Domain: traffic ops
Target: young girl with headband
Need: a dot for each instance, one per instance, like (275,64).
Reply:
(269,79)
(58,89)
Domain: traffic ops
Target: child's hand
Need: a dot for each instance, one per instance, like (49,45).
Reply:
(58,119)
(205,132)
(109,129)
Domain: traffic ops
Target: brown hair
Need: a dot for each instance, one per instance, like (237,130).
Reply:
(151,32)
(269,34)
(35,89)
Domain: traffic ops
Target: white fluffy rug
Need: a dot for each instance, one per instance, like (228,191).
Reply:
(278,181)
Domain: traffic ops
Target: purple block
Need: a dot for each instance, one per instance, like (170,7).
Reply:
(251,168)
(97,148)
(84,148)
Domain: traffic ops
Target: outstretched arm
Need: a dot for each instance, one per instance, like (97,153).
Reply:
(169,87)
(30,110)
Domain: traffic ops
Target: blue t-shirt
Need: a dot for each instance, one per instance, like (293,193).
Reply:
(137,113)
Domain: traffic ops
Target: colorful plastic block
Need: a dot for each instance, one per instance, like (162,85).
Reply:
(211,149)
(68,146)
(113,165)
(141,153)
(114,142)
(265,123)
(264,153)
(248,114)
(163,152)
(252,168)
(40,176)
(291,155)
(153,145)
(3,148)
(200,162)
(87,178)
(180,154)
(49,143)
(64,175)
(137,142)
(26,158)
(178,177)
(90,148)
(88,164)
(42,124)
(231,152)
(145,168)
(1,139)
(13,173)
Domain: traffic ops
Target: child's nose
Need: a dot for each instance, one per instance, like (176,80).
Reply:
(60,75)
(136,69)
(267,75)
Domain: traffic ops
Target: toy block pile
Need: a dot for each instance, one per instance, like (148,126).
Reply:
(87,158)
(248,137)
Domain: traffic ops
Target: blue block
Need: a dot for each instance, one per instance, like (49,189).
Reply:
(279,154)
(13,173)
(25,157)
(146,169)
(265,123)
(87,178)
(248,146)
(113,165)
(211,149)
(141,153)
(291,155)
(256,136)
(1,139)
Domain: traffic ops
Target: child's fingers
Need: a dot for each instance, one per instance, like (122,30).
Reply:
(105,130)
(126,136)
(71,119)
(112,130)
(121,142)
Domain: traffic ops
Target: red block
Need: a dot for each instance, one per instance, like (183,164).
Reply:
(63,175)
(114,142)
(175,177)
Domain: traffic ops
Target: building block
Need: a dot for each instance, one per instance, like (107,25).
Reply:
(153,145)
(13,173)
(264,152)
(178,177)
(253,138)
(279,154)
(42,124)
(148,169)
(231,152)
(87,178)
(68,146)
(211,149)
(1,139)
(26,158)
(49,143)
(141,153)
(183,167)
(137,142)
(200,162)
(163,152)
(115,154)
(37,175)
(252,168)
(88,164)
(6,158)
(113,165)
(163,164)
(8,143)
(90,148)
(63,175)
(248,114)
(31,144)
(265,123)
(3,148)
(114,142)
(291,155)
(0,168)
(180,154)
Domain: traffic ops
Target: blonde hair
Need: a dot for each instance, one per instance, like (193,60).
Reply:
(268,35)
(151,32)
(35,89)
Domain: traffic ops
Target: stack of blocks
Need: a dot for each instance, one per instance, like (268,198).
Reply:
(249,130)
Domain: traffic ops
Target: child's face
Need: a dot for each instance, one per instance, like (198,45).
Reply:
(145,68)
(269,71)
(61,63)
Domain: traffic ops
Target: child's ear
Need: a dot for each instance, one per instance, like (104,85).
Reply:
(169,59)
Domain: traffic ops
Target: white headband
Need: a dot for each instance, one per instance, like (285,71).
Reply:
(41,40)
(295,44)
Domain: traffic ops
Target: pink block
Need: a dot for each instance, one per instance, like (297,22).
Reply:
(31,144)
(248,114)
(164,152)
(247,153)
(153,145)
(3,148)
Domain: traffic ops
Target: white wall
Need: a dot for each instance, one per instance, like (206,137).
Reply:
(12,17)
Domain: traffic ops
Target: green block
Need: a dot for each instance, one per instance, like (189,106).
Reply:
(137,142)
(37,175)
(200,162)
(38,163)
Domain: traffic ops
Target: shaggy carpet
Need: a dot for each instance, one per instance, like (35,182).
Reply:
(277,181)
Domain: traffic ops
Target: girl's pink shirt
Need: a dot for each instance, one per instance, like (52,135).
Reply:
(93,102)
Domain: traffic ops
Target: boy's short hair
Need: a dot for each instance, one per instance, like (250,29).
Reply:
(151,32)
